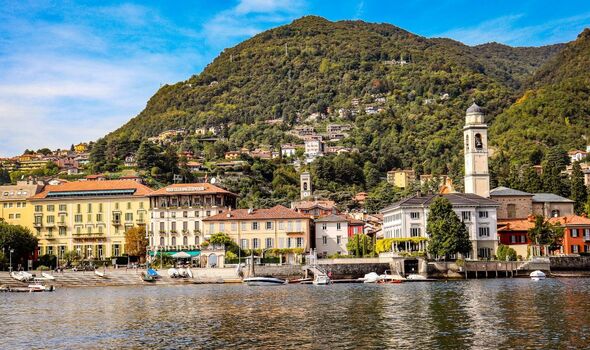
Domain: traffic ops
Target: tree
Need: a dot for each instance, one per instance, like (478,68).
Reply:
(18,238)
(531,181)
(148,155)
(372,175)
(505,253)
(555,163)
(4,176)
(544,233)
(360,245)
(578,192)
(135,242)
(221,238)
(448,234)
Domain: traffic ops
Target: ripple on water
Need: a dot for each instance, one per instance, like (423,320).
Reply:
(477,314)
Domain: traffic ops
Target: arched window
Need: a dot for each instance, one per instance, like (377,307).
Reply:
(478,142)
(161,241)
(305,186)
(554,213)
(173,240)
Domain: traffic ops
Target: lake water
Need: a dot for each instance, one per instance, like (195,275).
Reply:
(475,314)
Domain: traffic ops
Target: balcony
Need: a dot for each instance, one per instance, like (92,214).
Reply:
(116,222)
(37,224)
(140,221)
(62,224)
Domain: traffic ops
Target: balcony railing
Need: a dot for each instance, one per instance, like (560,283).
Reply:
(38,224)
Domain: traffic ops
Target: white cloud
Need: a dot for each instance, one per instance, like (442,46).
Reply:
(507,31)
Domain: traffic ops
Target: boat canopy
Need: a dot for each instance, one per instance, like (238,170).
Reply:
(172,253)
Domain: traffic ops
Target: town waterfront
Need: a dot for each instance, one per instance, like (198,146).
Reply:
(476,314)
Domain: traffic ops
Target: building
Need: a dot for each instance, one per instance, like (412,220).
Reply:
(408,218)
(88,217)
(331,235)
(305,184)
(232,155)
(277,227)
(576,234)
(288,150)
(13,202)
(401,178)
(514,234)
(81,148)
(514,204)
(177,212)
(552,205)
(315,208)
(577,155)
(475,135)
(313,148)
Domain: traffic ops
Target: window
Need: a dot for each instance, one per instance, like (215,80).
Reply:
(289,242)
(196,213)
(324,240)
(299,242)
(268,243)
(415,231)
(197,240)
(478,142)
(338,226)
(62,207)
(269,225)
(98,217)
(173,240)
(281,225)
(211,228)
(161,215)
(128,217)
(574,232)
(466,215)
(485,253)
(244,227)
(78,230)
(221,227)
(554,213)
(483,214)
(89,208)
(575,249)
(38,208)
(128,205)
(62,231)
(339,239)
(255,225)
(173,226)
(185,240)
(100,207)
(244,244)
(255,243)
(50,219)
(290,226)
(78,218)
(78,208)
(50,207)
(324,226)
(162,229)
(208,213)
(511,211)
(185,226)
(197,225)
(185,214)
(484,231)
(512,238)
(415,215)
(162,241)
(173,214)
(522,239)
(234,226)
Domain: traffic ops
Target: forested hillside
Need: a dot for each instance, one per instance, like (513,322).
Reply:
(420,88)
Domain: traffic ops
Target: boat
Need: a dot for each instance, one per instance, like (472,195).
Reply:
(321,280)
(47,276)
(173,273)
(153,273)
(418,278)
(264,281)
(390,278)
(537,275)
(37,287)
(100,274)
(301,280)
(371,277)
(21,276)
(147,277)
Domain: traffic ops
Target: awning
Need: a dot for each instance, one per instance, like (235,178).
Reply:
(191,253)
(181,255)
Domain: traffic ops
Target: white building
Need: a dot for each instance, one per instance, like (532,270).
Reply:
(288,150)
(177,211)
(313,148)
(331,235)
(408,218)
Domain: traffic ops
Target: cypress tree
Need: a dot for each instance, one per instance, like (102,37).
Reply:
(531,181)
(577,188)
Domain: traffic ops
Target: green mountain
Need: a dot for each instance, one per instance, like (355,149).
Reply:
(554,110)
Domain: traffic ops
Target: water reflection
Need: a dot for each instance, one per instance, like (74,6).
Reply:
(482,314)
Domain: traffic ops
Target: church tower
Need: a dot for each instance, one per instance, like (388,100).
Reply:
(305,180)
(475,137)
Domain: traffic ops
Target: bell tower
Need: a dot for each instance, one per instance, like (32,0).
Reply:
(475,138)
(305,181)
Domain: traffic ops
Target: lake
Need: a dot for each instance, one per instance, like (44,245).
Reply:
(474,314)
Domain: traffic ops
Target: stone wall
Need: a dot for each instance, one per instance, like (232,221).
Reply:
(339,271)
(570,263)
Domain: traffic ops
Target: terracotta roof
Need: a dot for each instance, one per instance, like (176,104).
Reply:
(515,225)
(89,186)
(332,218)
(276,212)
(312,204)
(192,188)
(570,220)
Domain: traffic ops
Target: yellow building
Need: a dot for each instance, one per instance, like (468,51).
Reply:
(401,178)
(81,148)
(88,217)
(277,227)
(13,202)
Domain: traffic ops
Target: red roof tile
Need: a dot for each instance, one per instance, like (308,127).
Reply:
(81,186)
(193,188)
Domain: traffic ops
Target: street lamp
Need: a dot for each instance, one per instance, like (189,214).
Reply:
(11,251)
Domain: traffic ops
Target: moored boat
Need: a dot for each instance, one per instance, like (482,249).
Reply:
(264,281)
(371,277)
(321,280)
(100,274)
(537,275)
(21,276)
(153,273)
(37,287)
(147,277)
(47,276)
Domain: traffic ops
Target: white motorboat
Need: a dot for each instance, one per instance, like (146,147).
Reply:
(321,280)
(37,287)
(371,277)
(537,275)
(21,276)
(47,276)
(264,281)
(100,274)
(416,277)
(173,273)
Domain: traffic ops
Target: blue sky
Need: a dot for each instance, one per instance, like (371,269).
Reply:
(72,71)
